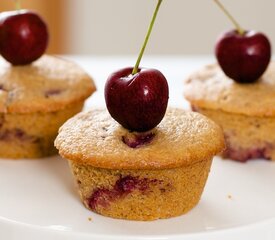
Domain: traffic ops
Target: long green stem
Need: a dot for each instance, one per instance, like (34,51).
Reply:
(237,25)
(17,4)
(135,70)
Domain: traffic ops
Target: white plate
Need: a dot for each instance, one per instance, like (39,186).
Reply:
(38,199)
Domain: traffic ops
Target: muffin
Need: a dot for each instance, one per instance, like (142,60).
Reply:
(35,100)
(140,176)
(246,112)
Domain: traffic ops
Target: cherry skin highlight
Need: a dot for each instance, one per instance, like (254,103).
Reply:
(243,57)
(23,36)
(138,102)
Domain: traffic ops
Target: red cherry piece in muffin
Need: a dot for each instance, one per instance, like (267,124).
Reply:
(138,140)
(124,186)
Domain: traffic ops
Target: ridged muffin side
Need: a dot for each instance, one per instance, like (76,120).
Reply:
(246,137)
(141,194)
(32,135)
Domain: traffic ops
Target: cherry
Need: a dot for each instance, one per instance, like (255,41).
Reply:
(138,102)
(23,36)
(243,55)
(137,97)
(138,140)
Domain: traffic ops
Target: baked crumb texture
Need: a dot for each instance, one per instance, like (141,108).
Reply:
(141,194)
(32,135)
(246,112)
(47,85)
(140,176)
(181,139)
(210,88)
(35,100)
(246,137)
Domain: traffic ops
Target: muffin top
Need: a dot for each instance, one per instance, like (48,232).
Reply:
(210,88)
(181,139)
(48,84)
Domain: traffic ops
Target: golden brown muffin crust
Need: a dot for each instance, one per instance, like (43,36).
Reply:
(47,85)
(181,139)
(210,88)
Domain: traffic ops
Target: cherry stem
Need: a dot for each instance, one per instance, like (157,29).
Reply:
(237,25)
(135,70)
(17,4)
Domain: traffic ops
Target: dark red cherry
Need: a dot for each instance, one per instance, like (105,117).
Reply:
(243,57)
(138,102)
(23,36)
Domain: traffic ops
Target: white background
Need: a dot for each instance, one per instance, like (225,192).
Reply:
(182,27)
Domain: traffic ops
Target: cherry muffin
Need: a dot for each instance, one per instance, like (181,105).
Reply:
(140,176)
(246,112)
(35,100)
